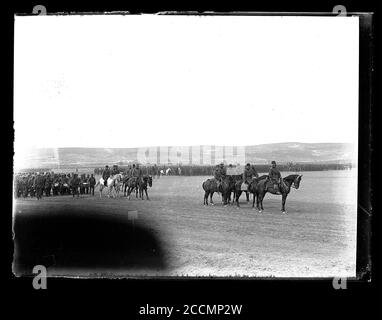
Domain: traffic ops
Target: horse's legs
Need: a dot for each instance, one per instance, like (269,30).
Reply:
(284,196)
(211,201)
(247,195)
(147,196)
(205,198)
(254,199)
(238,194)
(260,199)
(257,201)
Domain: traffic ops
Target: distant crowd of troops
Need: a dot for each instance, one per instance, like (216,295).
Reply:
(38,184)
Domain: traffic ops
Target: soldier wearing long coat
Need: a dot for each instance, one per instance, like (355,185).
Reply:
(274,176)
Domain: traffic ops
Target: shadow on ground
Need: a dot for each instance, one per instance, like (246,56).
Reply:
(84,241)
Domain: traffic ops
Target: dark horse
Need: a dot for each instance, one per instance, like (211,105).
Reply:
(210,186)
(265,186)
(142,185)
(252,188)
(130,183)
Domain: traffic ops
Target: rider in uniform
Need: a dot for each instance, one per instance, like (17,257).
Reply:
(106,174)
(274,177)
(220,173)
(248,174)
(132,171)
(139,173)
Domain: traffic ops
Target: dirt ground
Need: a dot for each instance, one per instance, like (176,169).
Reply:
(316,238)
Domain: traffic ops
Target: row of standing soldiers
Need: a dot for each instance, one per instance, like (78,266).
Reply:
(274,175)
(49,183)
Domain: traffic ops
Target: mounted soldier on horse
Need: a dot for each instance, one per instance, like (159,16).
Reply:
(105,175)
(274,177)
(248,175)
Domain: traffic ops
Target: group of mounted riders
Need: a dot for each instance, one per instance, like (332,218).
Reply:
(129,180)
(249,182)
(37,184)
(249,173)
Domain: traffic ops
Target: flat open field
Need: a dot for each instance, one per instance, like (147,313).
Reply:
(317,238)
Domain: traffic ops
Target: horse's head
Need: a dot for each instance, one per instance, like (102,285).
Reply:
(296,181)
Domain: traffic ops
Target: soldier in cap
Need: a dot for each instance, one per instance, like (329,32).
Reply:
(75,184)
(248,174)
(139,173)
(92,183)
(106,174)
(39,185)
(220,173)
(87,178)
(274,176)
(132,171)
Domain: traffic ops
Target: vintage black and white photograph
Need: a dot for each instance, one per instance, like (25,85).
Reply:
(186,145)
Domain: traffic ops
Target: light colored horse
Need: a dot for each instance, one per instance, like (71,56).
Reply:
(113,185)
(118,184)
(168,171)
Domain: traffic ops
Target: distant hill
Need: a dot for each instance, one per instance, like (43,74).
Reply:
(301,152)
(260,154)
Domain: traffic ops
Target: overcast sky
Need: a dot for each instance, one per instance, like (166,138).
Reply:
(130,81)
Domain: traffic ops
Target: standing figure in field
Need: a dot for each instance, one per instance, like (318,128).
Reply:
(56,185)
(39,184)
(82,183)
(65,186)
(75,184)
(92,183)
(87,184)
(274,177)
(105,175)
(48,185)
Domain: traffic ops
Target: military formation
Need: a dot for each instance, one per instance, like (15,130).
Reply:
(39,184)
